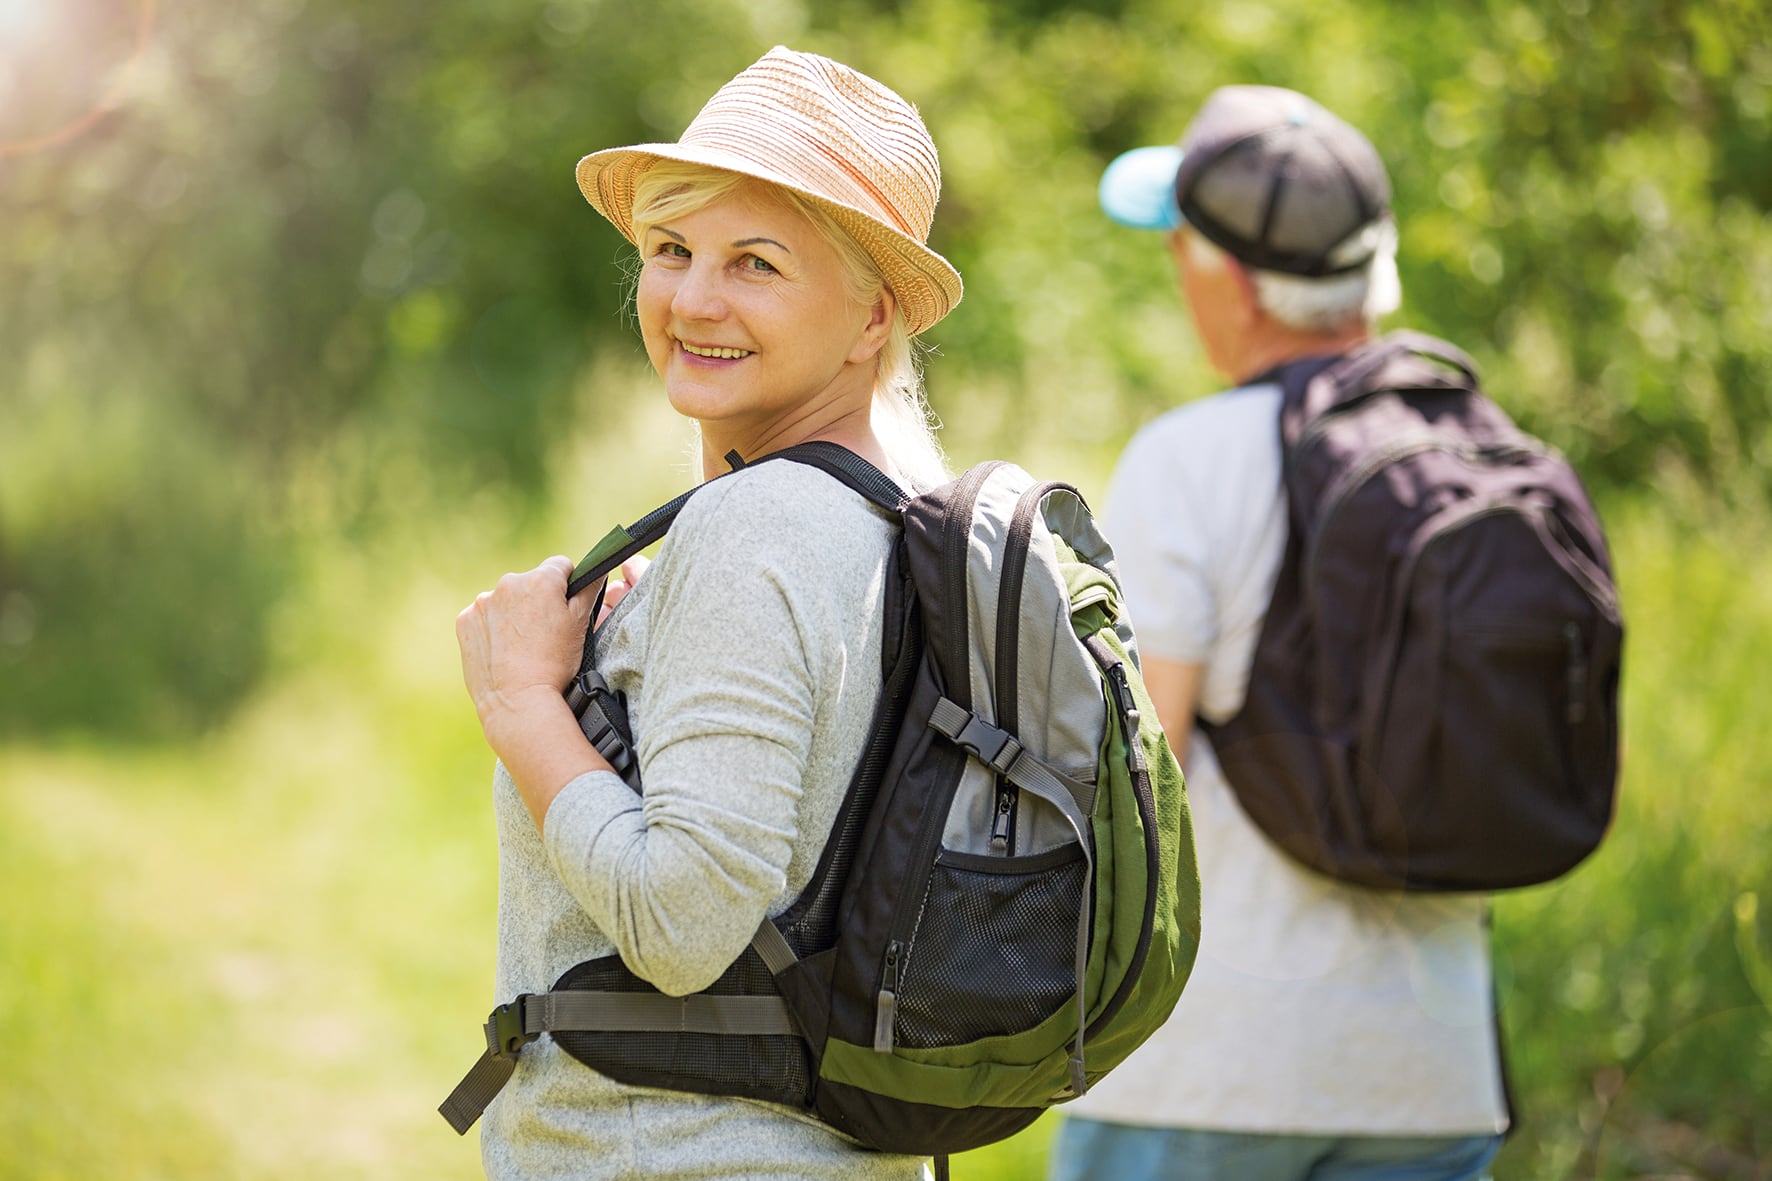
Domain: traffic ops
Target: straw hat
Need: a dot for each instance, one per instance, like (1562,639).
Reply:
(829,133)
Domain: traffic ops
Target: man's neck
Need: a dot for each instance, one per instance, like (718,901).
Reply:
(1281,346)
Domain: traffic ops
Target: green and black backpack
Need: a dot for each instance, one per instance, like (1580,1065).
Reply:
(1008,904)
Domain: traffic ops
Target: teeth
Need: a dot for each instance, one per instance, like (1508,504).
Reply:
(727,354)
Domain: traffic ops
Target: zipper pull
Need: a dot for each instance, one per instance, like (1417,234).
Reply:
(886,1007)
(1000,824)
(1128,704)
(1576,709)
(1123,695)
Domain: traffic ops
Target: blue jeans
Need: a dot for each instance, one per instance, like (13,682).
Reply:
(1089,1150)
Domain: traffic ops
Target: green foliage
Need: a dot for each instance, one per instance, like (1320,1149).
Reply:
(307,241)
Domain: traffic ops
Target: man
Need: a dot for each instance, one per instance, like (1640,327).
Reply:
(1329,1031)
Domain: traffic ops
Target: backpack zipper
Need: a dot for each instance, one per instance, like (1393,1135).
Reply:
(1007,684)
(1114,671)
(1351,482)
(886,1008)
(1014,573)
(1575,712)
(904,913)
(956,530)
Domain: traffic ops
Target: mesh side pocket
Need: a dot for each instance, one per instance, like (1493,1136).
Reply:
(995,947)
(763,1066)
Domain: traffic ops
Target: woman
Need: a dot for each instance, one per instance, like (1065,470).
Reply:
(784,272)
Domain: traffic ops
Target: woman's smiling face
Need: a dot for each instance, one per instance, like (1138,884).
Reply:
(748,317)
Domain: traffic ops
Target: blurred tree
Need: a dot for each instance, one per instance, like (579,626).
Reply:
(314,267)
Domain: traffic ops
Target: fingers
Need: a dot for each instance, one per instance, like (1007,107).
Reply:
(520,593)
(517,636)
(472,618)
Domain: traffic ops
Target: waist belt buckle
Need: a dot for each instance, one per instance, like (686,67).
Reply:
(505,1034)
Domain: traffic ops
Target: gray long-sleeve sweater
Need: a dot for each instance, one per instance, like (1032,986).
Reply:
(750,657)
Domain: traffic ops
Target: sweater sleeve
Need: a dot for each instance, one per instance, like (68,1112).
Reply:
(748,630)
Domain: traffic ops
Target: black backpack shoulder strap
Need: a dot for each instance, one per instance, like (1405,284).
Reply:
(858,474)
(588,690)
(1317,386)
(624,541)
(1434,349)
(604,558)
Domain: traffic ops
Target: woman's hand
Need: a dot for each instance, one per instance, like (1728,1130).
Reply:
(521,643)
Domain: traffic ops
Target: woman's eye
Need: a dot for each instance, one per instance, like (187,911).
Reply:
(758,264)
(674,250)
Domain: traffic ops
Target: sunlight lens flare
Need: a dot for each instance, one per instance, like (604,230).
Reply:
(32,29)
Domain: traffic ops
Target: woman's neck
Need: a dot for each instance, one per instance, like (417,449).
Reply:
(853,429)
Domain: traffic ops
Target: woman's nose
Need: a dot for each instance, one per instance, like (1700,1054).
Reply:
(699,296)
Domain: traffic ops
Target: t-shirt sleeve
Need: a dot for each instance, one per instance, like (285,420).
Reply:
(744,617)
(1155,523)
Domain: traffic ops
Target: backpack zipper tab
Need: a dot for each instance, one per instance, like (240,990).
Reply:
(887,1005)
(1576,711)
(1116,675)
(1000,825)
(1123,692)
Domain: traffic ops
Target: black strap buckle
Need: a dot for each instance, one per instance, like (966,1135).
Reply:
(997,749)
(578,694)
(505,1032)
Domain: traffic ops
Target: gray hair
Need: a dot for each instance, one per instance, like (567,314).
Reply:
(1329,305)
(900,414)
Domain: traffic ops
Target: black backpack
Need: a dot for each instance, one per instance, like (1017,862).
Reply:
(1433,703)
(1008,903)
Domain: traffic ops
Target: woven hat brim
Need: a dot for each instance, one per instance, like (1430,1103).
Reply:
(925,284)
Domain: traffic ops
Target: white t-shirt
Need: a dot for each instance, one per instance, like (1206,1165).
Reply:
(1314,1007)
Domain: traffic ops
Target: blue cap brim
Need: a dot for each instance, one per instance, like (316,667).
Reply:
(1138,189)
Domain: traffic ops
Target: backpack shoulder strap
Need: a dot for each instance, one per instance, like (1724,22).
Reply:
(858,474)
(1319,386)
(588,691)
(624,541)
(1432,348)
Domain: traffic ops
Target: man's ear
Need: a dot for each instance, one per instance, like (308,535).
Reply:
(1248,306)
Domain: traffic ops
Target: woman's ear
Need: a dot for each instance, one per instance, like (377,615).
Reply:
(877,329)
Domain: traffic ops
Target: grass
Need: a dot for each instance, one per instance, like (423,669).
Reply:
(265,955)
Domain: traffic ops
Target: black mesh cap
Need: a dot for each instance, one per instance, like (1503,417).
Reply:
(1278,182)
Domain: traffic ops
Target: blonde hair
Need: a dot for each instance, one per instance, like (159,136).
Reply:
(899,414)
(1327,305)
